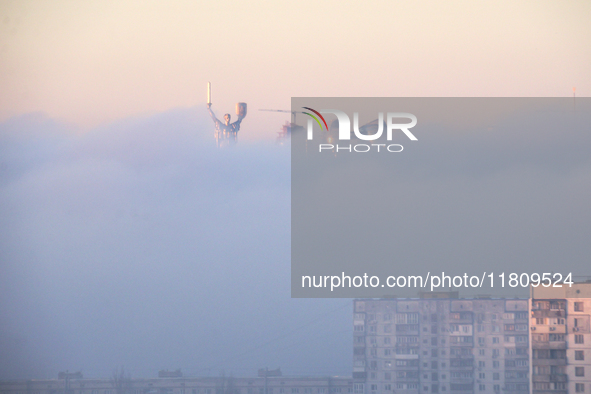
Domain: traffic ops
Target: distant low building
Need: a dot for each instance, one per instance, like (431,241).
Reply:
(269,372)
(170,374)
(186,385)
(70,375)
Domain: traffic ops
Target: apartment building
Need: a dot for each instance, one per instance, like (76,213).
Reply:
(441,345)
(561,339)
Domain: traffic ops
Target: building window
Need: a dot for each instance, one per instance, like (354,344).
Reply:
(579,338)
(579,355)
(482,387)
(495,340)
(580,387)
(555,337)
(579,307)
(579,371)
(496,376)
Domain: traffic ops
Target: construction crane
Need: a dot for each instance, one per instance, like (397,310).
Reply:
(287,128)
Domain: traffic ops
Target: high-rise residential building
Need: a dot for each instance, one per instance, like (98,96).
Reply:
(561,339)
(440,343)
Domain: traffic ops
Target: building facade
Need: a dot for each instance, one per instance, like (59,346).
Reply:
(561,339)
(440,343)
(436,345)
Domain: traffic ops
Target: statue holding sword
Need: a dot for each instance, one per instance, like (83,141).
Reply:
(226,131)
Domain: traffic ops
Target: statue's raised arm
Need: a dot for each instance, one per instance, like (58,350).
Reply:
(226,131)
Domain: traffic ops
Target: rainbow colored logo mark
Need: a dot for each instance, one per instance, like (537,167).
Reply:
(315,118)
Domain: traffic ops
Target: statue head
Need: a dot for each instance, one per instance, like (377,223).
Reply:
(227,119)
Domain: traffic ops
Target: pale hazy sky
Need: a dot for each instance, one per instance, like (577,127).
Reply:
(90,63)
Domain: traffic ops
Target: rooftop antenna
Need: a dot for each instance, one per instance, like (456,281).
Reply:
(574,99)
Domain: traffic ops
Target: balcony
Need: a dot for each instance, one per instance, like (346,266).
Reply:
(559,377)
(548,313)
(548,345)
(548,361)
